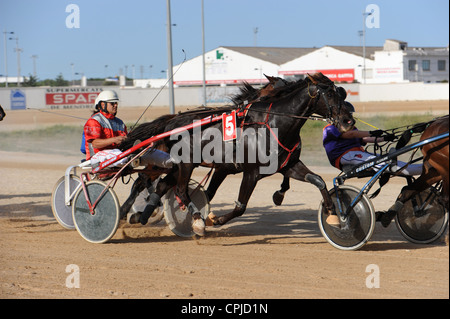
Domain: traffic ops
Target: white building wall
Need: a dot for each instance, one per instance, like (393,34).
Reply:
(224,66)
(327,58)
(412,91)
(388,67)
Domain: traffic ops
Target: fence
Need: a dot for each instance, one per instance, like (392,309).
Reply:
(84,97)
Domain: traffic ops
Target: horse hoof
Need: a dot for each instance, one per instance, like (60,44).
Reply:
(387,217)
(210,219)
(198,227)
(333,220)
(218,221)
(278,198)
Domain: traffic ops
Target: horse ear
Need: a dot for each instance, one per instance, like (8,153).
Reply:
(270,78)
(311,78)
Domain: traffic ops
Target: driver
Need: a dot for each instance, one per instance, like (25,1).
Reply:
(104,131)
(347,149)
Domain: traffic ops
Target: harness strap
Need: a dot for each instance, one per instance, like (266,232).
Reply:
(290,151)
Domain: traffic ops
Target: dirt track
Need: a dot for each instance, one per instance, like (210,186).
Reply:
(270,252)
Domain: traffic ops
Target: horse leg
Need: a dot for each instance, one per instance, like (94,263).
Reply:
(300,172)
(181,191)
(217,178)
(428,177)
(161,188)
(278,196)
(248,184)
(138,186)
(441,164)
(182,186)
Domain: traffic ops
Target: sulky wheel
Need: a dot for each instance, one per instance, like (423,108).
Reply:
(100,226)
(357,229)
(62,210)
(180,221)
(422,219)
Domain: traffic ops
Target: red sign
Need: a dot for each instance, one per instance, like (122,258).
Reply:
(338,75)
(229,126)
(72,98)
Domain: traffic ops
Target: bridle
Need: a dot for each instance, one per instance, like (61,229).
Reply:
(322,91)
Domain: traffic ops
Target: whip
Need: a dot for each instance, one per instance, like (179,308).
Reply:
(154,98)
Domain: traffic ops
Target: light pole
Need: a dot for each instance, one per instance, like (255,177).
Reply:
(170,58)
(364,44)
(6,57)
(34,57)
(18,50)
(203,55)
(72,65)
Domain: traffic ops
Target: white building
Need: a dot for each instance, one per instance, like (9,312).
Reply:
(232,65)
(399,63)
(339,63)
(12,79)
(394,62)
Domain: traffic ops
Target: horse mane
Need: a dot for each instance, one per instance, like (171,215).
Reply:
(247,93)
(291,88)
(188,117)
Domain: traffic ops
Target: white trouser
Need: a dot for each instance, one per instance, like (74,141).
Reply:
(358,157)
(152,157)
(158,158)
(107,154)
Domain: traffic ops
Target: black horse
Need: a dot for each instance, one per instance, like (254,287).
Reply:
(247,94)
(285,111)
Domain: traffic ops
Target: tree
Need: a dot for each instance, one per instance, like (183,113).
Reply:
(31,81)
(59,81)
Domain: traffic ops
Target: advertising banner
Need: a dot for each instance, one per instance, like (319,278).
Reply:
(71,98)
(338,75)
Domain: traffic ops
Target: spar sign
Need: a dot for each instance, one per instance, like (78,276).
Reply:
(71,98)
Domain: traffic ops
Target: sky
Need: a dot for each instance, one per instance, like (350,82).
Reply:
(114,35)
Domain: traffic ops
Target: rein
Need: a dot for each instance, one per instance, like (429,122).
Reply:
(314,118)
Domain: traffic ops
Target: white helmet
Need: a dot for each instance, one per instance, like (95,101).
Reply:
(107,96)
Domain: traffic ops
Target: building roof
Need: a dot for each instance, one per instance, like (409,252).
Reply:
(280,56)
(272,54)
(358,50)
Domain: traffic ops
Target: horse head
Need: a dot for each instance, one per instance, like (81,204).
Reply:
(328,101)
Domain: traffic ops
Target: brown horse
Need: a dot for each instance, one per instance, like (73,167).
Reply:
(286,111)
(2,113)
(435,169)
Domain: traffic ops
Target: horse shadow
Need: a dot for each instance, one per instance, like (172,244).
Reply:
(297,224)
(286,221)
(35,207)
